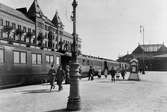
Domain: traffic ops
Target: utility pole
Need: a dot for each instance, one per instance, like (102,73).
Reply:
(143,65)
(74,100)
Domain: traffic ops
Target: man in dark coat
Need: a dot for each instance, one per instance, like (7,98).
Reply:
(113,72)
(60,77)
(123,74)
(52,77)
(91,73)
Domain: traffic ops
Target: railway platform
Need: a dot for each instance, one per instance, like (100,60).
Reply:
(99,95)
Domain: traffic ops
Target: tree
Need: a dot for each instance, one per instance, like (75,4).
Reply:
(7,29)
(19,33)
(40,38)
(29,36)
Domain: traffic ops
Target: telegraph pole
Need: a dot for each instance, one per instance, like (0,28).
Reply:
(74,100)
(143,65)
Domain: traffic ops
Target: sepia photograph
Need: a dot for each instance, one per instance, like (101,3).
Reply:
(83,56)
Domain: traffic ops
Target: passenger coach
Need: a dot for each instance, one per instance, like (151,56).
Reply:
(20,65)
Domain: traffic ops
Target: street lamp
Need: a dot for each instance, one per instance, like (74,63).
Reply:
(74,101)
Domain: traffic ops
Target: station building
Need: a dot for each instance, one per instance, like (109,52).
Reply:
(31,28)
(152,56)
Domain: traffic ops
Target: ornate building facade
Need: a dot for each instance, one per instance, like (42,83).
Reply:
(32,28)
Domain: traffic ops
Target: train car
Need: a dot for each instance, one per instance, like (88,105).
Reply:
(99,64)
(86,61)
(21,65)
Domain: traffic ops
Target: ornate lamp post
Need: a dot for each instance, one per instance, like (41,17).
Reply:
(74,97)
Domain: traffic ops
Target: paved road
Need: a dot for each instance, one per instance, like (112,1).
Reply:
(100,95)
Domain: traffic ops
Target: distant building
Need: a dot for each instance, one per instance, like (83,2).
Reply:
(151,56)
(33,29)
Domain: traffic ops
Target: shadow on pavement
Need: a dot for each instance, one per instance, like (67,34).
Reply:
(126,81)
(60,110)
(39,91)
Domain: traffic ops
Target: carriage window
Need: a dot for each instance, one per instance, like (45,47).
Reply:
(23,58)
(16,57)
(58,60)
(39,59)
(1,56)
(19,57)
(49,59)
(34,57)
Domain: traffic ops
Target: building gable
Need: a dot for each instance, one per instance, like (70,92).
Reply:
(138,50)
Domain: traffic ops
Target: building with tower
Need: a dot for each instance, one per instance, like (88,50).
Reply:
(31,28)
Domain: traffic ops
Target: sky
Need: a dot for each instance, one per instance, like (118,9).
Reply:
(109,28)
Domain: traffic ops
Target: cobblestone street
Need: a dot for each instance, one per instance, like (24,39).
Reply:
(100,95)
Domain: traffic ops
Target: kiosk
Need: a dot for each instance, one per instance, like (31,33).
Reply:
(134,70)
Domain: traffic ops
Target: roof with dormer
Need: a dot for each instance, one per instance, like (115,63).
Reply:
(14,12)
(35,10)
(151,47)
(57,21)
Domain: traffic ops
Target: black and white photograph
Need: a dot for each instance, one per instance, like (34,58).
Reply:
(83,56)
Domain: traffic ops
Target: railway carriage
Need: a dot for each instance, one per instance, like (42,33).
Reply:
(23,65)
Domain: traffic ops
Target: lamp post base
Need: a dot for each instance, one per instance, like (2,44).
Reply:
(74,101)
(74,104)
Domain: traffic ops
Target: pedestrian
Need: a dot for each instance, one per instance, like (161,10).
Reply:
(91,73)
(60,77)
(112,72)
(105,72)
(67,74)
(117,74)
(123,73)
(52,77)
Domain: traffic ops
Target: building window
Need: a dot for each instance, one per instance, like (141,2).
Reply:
(46,27)
(20,57)
(41,25)
(24,29)
(19,27)
(1,56)
(13,25)
(29,29)
(7,23)
(49,59)
(1,22)
(36,59)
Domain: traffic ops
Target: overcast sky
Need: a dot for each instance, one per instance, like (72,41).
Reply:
(109,28)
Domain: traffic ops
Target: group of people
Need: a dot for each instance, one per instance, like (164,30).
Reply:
(58,75)
(113,73)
